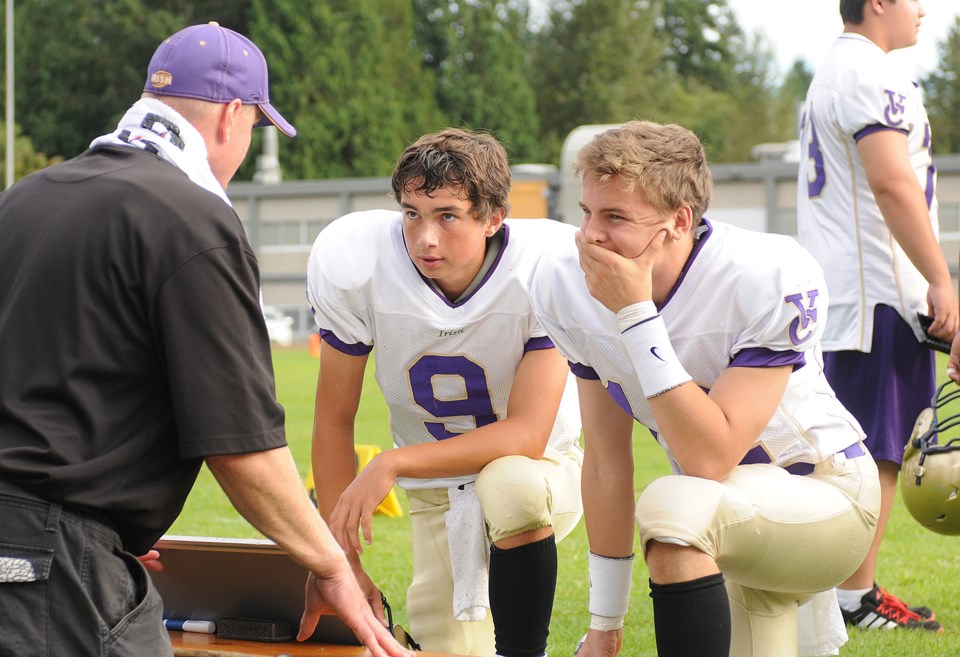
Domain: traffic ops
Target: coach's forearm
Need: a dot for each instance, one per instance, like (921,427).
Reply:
(266,489)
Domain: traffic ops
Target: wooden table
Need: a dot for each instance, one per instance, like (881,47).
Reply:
(193,644)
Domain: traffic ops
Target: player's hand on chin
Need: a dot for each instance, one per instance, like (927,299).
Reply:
(617,281)
(602,644)
(338,592)
(357,504)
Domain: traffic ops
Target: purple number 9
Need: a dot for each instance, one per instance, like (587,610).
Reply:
(476,403)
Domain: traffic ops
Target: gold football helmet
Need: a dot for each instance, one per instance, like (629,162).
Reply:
(930,473)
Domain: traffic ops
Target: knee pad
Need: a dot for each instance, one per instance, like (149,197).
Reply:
(514,496)
(686,509)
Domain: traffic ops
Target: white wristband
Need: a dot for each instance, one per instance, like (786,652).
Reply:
(636,313)
(648,345)
(610,580)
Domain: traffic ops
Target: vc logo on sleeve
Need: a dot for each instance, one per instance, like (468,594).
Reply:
(895,108)
(802,326)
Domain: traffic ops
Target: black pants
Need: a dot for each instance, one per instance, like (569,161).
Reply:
(68,588)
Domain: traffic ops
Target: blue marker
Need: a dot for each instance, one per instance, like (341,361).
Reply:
(204,627)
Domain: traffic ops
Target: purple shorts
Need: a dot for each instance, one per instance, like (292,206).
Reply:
(887,388)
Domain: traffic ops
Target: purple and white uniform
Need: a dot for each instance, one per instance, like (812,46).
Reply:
(798,515)
(874,358)
(444,368)
(856,92)
(744,299)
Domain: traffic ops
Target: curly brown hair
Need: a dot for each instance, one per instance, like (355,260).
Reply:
(474,164)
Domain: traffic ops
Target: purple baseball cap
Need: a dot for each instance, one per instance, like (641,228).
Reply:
(216,64)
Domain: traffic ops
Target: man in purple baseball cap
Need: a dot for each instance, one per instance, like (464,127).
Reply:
(213,63)
(159,362)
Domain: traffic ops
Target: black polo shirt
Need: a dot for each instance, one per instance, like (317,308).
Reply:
(132,342)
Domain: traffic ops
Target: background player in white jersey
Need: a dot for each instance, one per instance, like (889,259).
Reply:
(709,336)
(867,211)
(439,291)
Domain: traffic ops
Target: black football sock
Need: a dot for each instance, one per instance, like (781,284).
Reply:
(523,581)
(692,618)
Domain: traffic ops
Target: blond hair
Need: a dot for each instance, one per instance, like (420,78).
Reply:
(666,162)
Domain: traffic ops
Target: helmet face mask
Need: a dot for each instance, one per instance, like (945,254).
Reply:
(930,473)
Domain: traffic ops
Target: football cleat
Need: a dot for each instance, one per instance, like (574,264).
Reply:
(926,613)
(881,611)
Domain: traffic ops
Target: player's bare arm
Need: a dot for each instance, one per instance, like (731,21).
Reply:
(339,384)
(531,411)
(607,490)
(709,434)
(886,161)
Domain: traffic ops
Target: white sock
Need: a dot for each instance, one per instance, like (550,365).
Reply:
(850,599)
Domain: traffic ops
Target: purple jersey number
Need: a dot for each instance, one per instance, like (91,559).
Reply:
(815,186)
(476,403)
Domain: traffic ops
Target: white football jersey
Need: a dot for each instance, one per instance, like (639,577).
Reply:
(855,92)
(444,368)
(744,298)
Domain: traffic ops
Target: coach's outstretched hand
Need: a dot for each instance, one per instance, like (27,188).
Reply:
(338,593)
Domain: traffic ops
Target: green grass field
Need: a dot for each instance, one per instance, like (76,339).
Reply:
(915,563)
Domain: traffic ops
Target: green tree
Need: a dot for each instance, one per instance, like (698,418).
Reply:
(26,160)
(796,81)
(415,83)
(758,114)
(479,55)
(339,73)
(597,61)
(942,90)
(80,64)
(726,90)
(702,36)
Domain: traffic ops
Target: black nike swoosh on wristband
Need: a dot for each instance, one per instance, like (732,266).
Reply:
(653,350)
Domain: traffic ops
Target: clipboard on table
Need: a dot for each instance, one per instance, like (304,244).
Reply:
(218,578)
